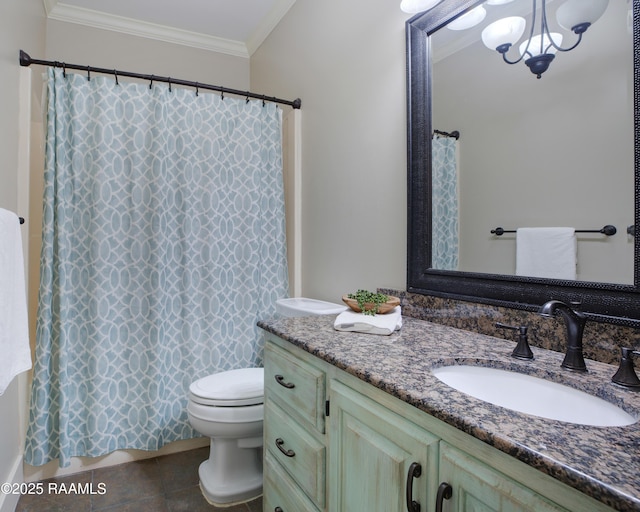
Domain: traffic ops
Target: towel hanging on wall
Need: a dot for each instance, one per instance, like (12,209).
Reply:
(14,326)
(546,252)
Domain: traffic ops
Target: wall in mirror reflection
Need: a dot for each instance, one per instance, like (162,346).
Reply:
(555,151)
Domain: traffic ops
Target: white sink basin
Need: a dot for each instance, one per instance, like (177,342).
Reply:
(532,395)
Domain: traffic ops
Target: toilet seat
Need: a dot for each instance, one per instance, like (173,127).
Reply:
(233,388)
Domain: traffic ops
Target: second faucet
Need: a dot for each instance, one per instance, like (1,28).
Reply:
(574,321)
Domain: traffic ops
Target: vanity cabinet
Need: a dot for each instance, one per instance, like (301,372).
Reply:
(295,446)
(335,443)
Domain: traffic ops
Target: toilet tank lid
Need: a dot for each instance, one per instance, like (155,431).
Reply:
(242,384)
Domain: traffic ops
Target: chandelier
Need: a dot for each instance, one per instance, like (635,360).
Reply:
(541,45)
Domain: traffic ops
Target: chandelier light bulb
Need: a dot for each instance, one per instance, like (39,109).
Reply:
(503,33)
(416,6)
(469,19)
(578,15)
(535,48)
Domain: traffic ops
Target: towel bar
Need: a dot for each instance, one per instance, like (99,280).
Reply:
(608,230)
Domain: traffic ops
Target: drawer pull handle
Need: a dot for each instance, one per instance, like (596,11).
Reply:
(288,453)
(415,470)
(445,492)
(280,380)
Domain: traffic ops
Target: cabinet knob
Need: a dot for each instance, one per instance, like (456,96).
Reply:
(415,470)
(278,509)
(445,491)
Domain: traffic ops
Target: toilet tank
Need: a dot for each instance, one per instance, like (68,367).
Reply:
(301,306)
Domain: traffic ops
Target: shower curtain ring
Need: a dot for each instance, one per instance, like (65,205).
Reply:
(196,89)
(115,72)
(169,80)
(263,101)
(64,70)
(88,73)
(151,83)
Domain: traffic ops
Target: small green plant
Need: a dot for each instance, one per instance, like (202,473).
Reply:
(364,297)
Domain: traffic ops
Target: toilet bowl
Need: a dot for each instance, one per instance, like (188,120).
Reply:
(228,408)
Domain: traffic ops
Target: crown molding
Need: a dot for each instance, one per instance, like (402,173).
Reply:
(88,17)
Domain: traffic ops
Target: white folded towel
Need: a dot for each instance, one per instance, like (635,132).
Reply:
(14,328)
(546,252)
(378,324)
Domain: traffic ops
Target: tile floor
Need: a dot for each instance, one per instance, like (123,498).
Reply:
(162,484)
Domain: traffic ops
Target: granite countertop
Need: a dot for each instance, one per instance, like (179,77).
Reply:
(602,462)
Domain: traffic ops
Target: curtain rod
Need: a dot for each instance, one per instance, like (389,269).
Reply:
(454,134)
(26,61)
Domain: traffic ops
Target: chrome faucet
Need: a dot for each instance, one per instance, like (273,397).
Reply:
(574,321)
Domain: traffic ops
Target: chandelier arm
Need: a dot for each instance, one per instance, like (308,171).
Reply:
(504,57)
(567,49)
(531,31)
(545,30)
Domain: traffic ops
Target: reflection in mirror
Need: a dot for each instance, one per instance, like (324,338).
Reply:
(534,153)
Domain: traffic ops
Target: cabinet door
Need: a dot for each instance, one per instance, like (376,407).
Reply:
(371,451)
(477,487)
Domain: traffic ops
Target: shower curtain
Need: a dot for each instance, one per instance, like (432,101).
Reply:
(163,244)
(444,211)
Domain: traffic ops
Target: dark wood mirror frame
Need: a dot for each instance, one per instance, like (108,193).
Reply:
(602,302)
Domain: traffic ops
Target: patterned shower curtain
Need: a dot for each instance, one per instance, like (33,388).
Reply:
(163,244)
(444,218)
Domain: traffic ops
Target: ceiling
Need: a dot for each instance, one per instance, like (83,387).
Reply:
(235,27)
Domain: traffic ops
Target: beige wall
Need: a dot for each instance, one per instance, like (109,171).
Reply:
(69,42)
(346,61)
(21,26)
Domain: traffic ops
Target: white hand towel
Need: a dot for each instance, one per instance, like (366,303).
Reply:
(379,324)
(14,328)
(546,252)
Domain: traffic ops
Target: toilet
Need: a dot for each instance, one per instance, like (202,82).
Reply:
(228,408)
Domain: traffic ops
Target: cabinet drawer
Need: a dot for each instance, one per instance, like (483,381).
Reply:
(297,451)
(297,386)
(281,491)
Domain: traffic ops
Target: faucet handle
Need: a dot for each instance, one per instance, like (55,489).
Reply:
(626,375)
(522,350)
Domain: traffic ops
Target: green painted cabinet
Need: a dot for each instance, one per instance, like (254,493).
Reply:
(334,443)
(475,487)
(379,460)
(295,444)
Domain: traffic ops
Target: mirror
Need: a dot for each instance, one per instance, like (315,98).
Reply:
(485,270)
(560,148)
